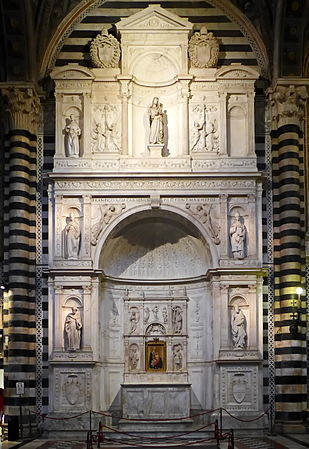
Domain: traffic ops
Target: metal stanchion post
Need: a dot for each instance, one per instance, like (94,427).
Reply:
(221,430)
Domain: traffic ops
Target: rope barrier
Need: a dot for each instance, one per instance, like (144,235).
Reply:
(247,420)
(156,438)
(154,419)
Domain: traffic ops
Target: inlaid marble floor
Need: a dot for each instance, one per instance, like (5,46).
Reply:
(299,441)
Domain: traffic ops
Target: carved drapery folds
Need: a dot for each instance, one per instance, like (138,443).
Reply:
(105,50)
(205,213)
(23,106)
(288,104)
(203,49)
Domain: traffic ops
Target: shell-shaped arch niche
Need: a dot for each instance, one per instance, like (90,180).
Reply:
(150,246)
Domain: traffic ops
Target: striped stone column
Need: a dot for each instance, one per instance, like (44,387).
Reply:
(289,253)
(19,321)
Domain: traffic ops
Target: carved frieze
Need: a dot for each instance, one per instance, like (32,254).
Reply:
(203,49)
(105,50)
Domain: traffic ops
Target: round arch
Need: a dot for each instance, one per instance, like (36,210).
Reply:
(80,11)
(172,213)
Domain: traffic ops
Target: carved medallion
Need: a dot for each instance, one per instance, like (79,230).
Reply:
(105,50)
(203,49)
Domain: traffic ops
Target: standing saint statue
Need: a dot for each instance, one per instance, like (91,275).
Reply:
(238,233)
(72,330)
(238,324)
(71,238)
(73,132)
(155,113)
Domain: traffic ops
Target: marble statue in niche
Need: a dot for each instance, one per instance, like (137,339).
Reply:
(107,213)
(71,237)
(238,326)
(177,357)
(155,112)
(105,50)
(105,135)
(73,390)
(72,330)
(177,319)
(134,319)
(133,356)
(238,234)
(203,49)
(73,133)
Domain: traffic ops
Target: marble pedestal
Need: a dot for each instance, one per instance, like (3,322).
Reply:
(155,149)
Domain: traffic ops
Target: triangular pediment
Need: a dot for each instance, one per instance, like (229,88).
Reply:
(154,18)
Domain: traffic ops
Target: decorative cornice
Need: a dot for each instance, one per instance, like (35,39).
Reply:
(23,107)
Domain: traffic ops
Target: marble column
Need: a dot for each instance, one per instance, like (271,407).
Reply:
(287,102)
(23,107)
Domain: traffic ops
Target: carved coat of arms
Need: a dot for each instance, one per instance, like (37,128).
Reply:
(72,389)
(203,49)
(105,50)
(239,388)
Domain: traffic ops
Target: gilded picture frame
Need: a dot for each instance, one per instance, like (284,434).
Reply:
(155,359)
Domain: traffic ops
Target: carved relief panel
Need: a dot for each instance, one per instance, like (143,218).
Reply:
(155,336)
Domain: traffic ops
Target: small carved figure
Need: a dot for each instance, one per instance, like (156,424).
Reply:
(155,112)
(198,137)
(164,315)
(133,356)
(238,324)
(71,238)
(73,132)
(72,330)
(238,233)
(178,356)
(203,212)
(177,319)
(107,212)
(155,311)
(211,139)
(134,319)
(146,315)
(99,137)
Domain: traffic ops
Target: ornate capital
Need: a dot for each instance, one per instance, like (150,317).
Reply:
(287,104)
(23,106)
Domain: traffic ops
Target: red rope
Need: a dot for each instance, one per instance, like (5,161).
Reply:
(156,420)
(247,420)
(61,419)
(156,438)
